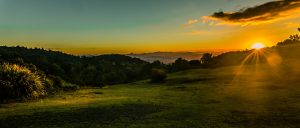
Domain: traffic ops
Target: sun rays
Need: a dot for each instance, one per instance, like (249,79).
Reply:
(263,61)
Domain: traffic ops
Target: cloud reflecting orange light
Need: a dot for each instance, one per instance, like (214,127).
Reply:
(256,20)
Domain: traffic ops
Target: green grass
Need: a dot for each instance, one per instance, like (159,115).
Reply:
(226,97)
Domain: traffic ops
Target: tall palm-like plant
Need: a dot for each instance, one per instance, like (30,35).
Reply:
(19,82)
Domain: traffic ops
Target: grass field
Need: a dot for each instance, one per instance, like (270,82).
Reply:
(248,96)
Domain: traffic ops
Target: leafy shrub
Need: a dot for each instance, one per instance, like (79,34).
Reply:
(57,81)
(19,82)
(55,84)
(158,75)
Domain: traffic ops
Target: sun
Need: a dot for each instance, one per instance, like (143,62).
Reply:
(258,46)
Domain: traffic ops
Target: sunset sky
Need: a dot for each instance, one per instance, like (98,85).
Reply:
(125,26)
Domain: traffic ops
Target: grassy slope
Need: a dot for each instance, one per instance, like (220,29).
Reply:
(250,96)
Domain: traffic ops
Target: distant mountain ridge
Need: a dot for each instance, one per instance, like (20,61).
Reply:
(170,57)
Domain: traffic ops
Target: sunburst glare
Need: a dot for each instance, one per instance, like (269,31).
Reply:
(258,46)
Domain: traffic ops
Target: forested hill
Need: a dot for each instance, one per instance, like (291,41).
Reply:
(94,70)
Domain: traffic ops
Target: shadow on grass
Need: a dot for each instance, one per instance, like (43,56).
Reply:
(122,115)
(273,119)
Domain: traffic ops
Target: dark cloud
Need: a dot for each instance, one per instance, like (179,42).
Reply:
(264,12)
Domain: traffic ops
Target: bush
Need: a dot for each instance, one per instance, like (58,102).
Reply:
(55,84)
(19,82)
(158,75)
(57,81)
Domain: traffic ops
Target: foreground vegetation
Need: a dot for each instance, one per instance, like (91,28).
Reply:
(240,96)
(26,82)
(19,82)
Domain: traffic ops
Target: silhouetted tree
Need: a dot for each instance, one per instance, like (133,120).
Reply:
(195,63)
(206,58)
(158,64)
(293,39)
(180,64)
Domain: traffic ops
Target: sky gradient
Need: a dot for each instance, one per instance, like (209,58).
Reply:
(125,26)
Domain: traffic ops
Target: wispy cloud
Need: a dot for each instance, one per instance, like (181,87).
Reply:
(268,12)
(193,21)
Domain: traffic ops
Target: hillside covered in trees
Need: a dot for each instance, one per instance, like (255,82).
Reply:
(81,70)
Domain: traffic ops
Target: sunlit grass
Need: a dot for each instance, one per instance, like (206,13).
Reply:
(193,98)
